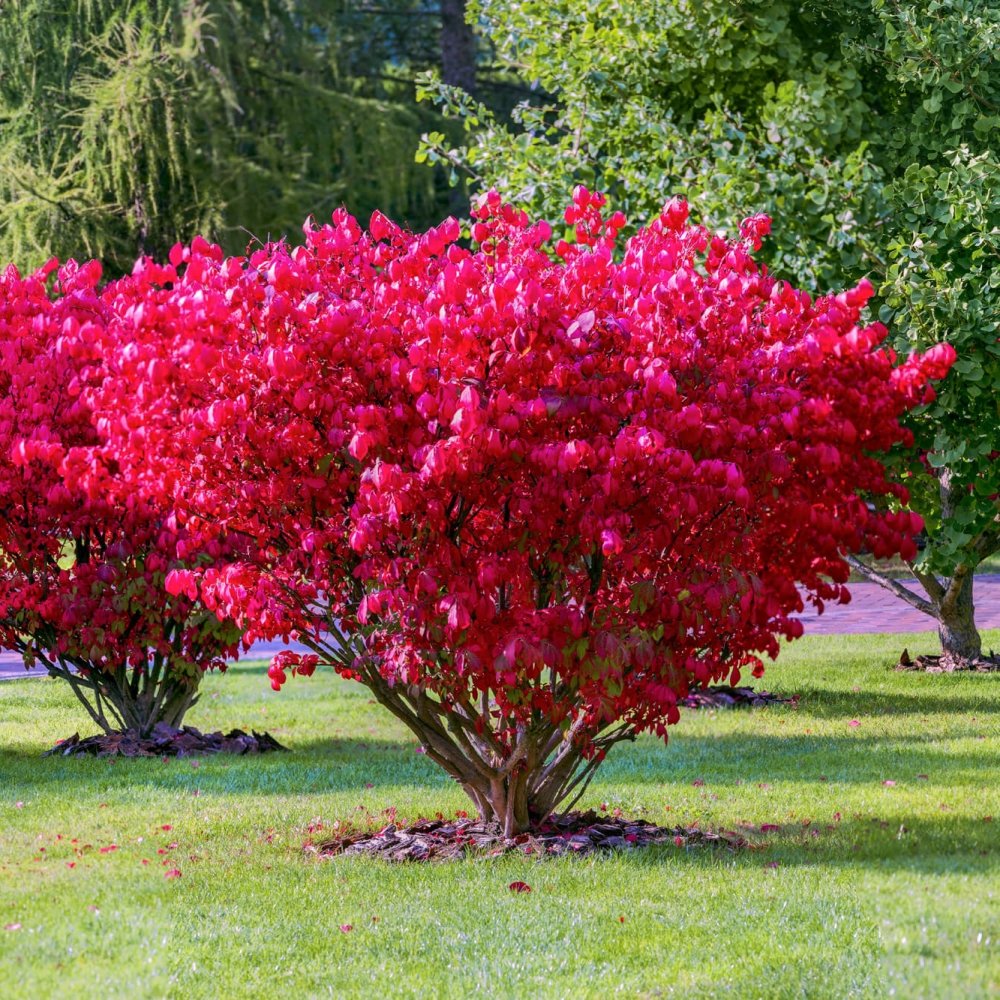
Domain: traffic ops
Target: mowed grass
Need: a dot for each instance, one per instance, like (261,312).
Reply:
(880,877)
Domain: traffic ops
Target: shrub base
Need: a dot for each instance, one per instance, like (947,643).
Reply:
(165,741)
(572,833)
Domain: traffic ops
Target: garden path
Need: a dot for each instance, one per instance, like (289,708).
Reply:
(872,609)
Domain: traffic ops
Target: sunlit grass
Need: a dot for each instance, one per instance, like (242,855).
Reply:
(883,873)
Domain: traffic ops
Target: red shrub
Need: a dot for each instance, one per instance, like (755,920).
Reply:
(526,500)
(81,576)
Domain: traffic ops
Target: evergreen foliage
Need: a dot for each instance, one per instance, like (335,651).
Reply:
(126,125)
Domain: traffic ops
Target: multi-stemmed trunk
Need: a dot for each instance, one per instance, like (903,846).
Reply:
(127,698)
(516,775)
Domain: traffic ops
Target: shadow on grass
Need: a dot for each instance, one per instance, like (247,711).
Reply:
(887,842)
(826,703)
(320,766)
(729,759)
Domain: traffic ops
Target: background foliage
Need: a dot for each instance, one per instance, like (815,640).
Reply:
(125,126)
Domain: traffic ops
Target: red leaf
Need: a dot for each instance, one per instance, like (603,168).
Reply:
(173,873)
(519,887)
(346,928)
(12,927)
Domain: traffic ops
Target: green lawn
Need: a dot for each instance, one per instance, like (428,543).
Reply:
(866,888)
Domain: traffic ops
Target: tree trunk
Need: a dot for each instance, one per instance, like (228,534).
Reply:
(458,47)
(458,69)
(126,699)
(961,644)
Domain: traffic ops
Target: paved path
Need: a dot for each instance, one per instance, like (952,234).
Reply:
(875,609)
(872,609)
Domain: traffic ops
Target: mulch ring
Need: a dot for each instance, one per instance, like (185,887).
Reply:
(166,741)
(574,833)
(723,696)
(932,664)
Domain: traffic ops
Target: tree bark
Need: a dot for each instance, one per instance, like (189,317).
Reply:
(961,644)
(458,47)
(458,69)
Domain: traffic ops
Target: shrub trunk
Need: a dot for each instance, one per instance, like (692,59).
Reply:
(128,699)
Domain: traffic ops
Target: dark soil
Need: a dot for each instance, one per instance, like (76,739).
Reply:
(573,833)
(166,742)
(722,696)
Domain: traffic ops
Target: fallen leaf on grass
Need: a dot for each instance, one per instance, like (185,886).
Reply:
(346,928)
(12,927)
(173,873)
(854,722)
(519,887)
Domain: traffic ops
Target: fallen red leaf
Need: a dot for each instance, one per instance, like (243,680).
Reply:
(519,887)
(854,722)
(346,928)
(173,873)
(12,927)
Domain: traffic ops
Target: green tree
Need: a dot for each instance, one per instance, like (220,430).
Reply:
(867,128)
(126,125)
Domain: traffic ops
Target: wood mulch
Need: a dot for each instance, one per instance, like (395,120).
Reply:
(166,741)
(932,664)
(574,833)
